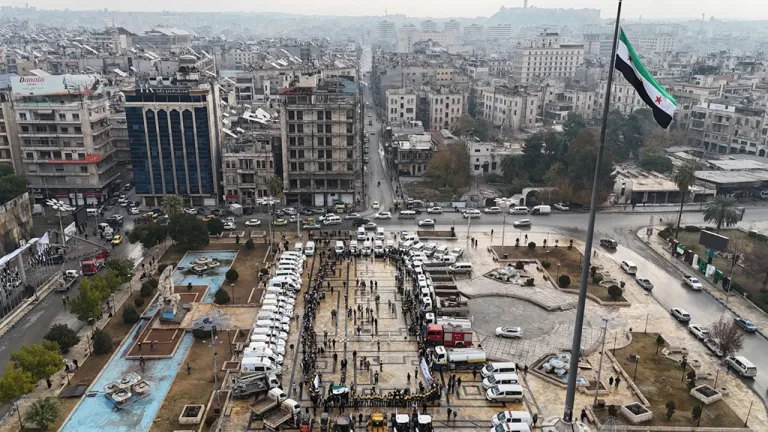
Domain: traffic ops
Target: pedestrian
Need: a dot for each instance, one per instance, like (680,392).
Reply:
(151,345)
(139,345)
(48,382)
(491,232)
(455,414)
(610,381)
(525,369)
(474,374)
(449,413)
(584,414)
(381,365)
(458,383)
(75,362)
(618,380)
(408,377)
(189,369)
(534,419)
(378,346)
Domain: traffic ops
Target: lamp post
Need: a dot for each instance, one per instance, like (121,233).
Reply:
(59,206)
(637,362)
(600,364)
(214,321)
(503,231)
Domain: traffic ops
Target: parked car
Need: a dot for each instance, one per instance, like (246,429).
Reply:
(680,314)
(713,346)
(435,210)
(117,239)
(280,222)
(699,331)
(383,215)
(562,206)
(352,216)
(376,205)
(230,226)
(509,332)
(746,324)
(360,222)
(305,212)
(427,222)
(522,223)
(253,222)
(609,243)
(644,284)
(133,210)
(472,213)
(190,211)
(492,210)
(311,227)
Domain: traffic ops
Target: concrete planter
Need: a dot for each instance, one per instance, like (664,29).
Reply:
(636,413)
(706,394)
(192,414)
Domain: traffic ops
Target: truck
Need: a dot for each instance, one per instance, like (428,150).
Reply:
(424,423)
(693,283)
(448,335)
(271,400)
(244,386)
(443,279)
(289,410)
(377,422)
(65,284)
(91,267)
(452,305)
(453,358)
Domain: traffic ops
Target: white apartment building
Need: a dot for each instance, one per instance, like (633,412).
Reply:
(387,31)
(499,31)
(444,106)
(546,56)
(508,107)
(408,36)
(474,32)
(624,97)
(568,101)
(401,105)
(428,26)
(453,26)
(721,127)
(653,44)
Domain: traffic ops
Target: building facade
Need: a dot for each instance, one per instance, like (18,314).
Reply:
(401,105)
(546,56)
(387,31)
(444,106)
(723,127)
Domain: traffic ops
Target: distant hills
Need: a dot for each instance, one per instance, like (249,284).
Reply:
(534,16)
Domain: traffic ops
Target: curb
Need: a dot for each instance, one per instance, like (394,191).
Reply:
(29,304)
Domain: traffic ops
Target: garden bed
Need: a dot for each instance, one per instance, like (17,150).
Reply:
(444,235)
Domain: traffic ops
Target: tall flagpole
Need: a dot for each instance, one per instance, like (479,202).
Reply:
(576,346)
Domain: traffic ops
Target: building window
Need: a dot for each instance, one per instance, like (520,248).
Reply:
(76,117)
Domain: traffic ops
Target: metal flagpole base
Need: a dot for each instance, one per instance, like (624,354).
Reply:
(557,424)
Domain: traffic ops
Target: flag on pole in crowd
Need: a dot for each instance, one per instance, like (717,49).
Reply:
(628,63)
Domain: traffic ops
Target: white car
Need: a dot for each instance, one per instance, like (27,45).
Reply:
(492,210)
(190,211)
(435,210)
(352,216)
(383,215)
(253,222)
(472,213)
(699,331)
(376,205)
(427,222)
(522,223)
(123,202)
(693,283)
(457,252)
(509,332)
(292,218)
(562,206)
(230,226)
(680,314)
(133,210)
(230,219)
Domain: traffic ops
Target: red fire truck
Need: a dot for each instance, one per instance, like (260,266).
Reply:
(450,335)
(91,267)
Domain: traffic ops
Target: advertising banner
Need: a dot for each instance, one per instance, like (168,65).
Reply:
(52,85)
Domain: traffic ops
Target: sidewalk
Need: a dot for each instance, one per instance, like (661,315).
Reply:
(81,351)
(735,302)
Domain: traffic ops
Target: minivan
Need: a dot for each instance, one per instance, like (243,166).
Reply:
(407,214)
(378,248)
(463,267)
(505,393)
(379,233)
(361,234)
(446,259)
(269,332)
(353,247)
(258,365)
(519,210)
(92,212)
(263,352)
(273,325)
(514,417)
(741,365)
(629,267)
(266,338)
(339,249)
(309,250)
(283,299)
(299,247)
(497,368)
(541,210)
(292,254)
(430,248)
(367,248)
(332,220)
(496,380)
(278,349)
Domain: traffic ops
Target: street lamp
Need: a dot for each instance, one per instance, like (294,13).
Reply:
(215,320)
(59,206)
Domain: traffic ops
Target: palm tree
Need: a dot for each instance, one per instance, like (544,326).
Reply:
(173,205)
(683,178)
(275,186)
(722,211)
(42,413)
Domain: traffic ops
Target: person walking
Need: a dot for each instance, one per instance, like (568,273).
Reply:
(449,413)
(618,380)
(610,381)
(583,415)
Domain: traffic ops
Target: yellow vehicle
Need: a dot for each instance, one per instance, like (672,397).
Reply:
(117,239)
(309,220)
(340,208)
(209,217)
(377,422)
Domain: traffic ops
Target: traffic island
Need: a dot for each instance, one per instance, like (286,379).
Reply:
(436,235)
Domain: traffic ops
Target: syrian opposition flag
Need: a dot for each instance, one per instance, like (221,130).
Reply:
(661,103)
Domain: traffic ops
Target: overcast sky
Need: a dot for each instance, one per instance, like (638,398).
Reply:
(649,9)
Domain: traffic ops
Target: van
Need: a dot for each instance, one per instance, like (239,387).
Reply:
(361,234)
(446,259)
(426,304)
(511,427)
(258,365)
(282,299)
(275,302)
(299,247)
(270,313)
(379,233)
(353,247)
(629,267)
(367,248)
(456,268)
(378,248)
(288,271)
(339,249)
(407,214)
(741,365)
(283,285)
(92,212)
(278,349)
(416,247)
(37,209)
(519,210)
(269,332)
(440,251)
(292,261)
(332,220)
(496,380)
(542,210)
(497,368)
(267,338)
(310,249)
(287,266)
(274,325)
(430,248)
(389,245)
(265,353)
(292,254)
(513,418)
(275,310)
(505,393)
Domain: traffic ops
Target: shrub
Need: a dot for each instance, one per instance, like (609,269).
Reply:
(221,296)
(102,342)
(249,244)
(564,281)
(532,245)
(62,335)
(613,411)
(696,412)
(670,405)
(665,233)
(153,282)
(597,278)
(139,302)
(130,314)
(529,282)
(146,289)
(232,275)
(691,228)
(615,292)
(546,264)
(752,234)
(264,271)
(199,333)
(519,265)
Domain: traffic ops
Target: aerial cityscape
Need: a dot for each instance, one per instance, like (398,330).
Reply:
(536,216)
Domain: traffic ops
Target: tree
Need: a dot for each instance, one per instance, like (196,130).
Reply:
(15,383)
(533,156)
(130,314)
(564,281)
(189,232)
(102,342)
(466,124)
(221,297)
(249,244)
(722,211)
(657,163)
(173,205)
(147,288)
(11,185)
(64,336)
(573,124)
(450,166)
(232,275)
(754,263)
(727,336)
(93,292)
(42,413)
(275,186)
(512,168)
(659,343)
(149,235)
(123,268)
(581,160)
(615,292)
(215,226)
(659,140)
(683,178)
(670,405)
(41,361)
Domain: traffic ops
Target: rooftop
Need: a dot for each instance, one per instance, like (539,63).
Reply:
(737,165)
(733,177)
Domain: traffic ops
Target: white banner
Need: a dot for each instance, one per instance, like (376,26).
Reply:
(425,371)
(57,85)
(70,230)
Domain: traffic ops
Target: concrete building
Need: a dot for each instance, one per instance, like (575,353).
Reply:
(401,105)
(598,44)
(507,107)
(546,56)
(407,37)
(428,26)
(653,43)
(412,154)
(578,101)
(624,97)
(474,32)
(321,138)
(248,162)
(729,127)
(444,106)
(8,153)
(499,32)
(453,26)
(173,133)
(387,31)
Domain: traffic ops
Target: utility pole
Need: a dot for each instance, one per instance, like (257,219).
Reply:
(600,365)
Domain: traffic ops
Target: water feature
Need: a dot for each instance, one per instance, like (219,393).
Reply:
(97,414)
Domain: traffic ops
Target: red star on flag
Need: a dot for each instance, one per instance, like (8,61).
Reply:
(629,58)
(658,100)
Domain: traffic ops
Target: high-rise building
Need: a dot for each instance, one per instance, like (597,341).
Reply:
(453,26)
(473,32)
(428,25)
(387,31)
(8,154)
(407,37)
(173,135)
(546,56)
(321,137)
(499,31)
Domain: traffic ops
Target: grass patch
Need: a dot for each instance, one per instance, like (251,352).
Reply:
(569,262)
(428,190)
(659,379)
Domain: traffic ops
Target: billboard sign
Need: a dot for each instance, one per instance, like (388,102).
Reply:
(713,241)
(52,85)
